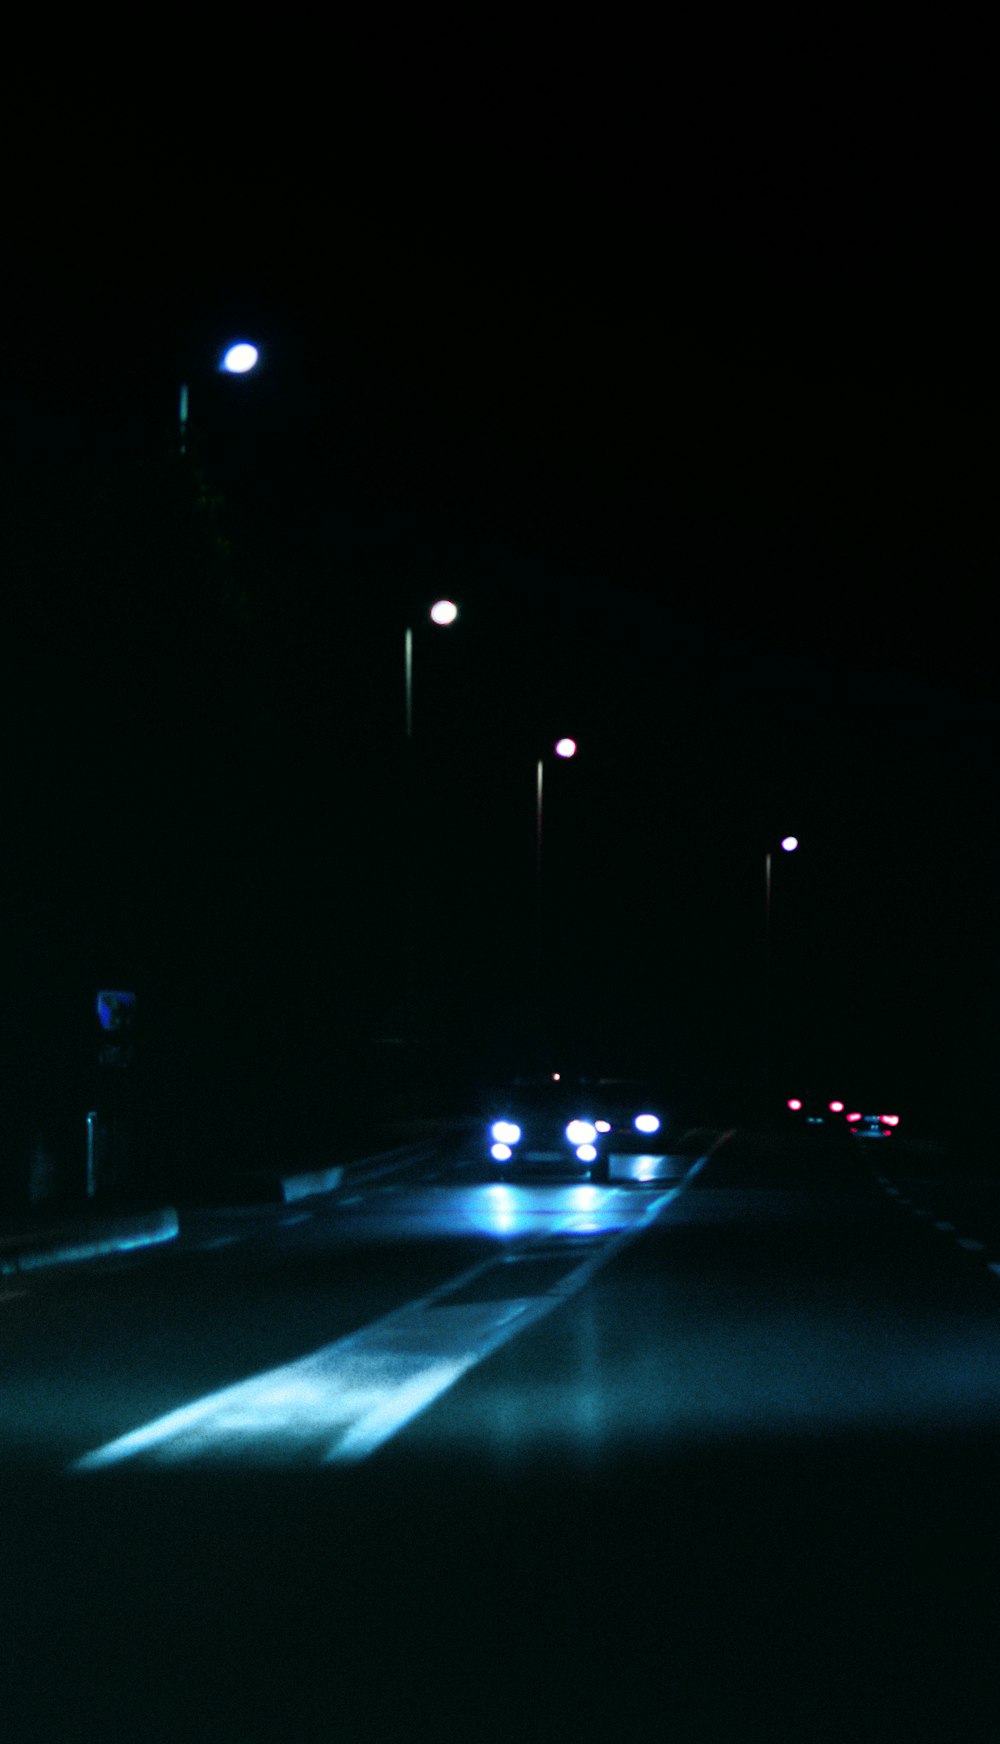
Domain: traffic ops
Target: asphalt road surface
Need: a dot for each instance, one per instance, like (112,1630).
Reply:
(706,1455)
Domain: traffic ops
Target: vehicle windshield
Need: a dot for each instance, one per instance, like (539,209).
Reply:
(547,1095)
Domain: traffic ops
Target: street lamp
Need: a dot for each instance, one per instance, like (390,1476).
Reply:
(563,748)
(239,358)
(442,613)
(788,845)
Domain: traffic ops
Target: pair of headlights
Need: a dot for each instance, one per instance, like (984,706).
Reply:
(507,1132)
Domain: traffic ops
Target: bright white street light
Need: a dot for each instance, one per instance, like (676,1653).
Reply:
(444,611)
(789,843)
(565,747)
(240,358)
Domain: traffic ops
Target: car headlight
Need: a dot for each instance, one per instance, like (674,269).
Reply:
(581,1132)
(647,1123)
(505,1131)
(603,1125)
(501,1153)
(587,1153)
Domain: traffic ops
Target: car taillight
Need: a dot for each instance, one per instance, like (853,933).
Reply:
(836,1108)
(853,1117)
(889,1119)
(794,1104)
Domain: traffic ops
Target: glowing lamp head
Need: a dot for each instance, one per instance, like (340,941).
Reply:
(565,747)
(647,1123)
(240,358)
(794,1104)
(789,844)
(444,612)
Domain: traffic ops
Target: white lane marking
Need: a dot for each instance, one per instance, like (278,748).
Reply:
(346,1400)
(219,1241)
(945,1228)
(894,1191)
(355,1199)
(970,1245)
(994,1266)
(300,1217)
(11,1295)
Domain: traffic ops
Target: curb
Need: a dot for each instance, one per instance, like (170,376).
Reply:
(85,1240)
(264,1188)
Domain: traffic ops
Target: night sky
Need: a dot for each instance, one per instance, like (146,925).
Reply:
(695,422)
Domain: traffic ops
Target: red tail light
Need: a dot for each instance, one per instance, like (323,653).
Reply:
(853,1117)
(794,1104)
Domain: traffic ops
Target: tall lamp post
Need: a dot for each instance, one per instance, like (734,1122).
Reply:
(237,359)
(564,749)
(442,612)
(788,845)
(414,857)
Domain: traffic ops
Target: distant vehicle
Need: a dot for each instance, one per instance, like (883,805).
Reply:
(818,1114)
(872,1126)
(546,1123)
(573,1122)
(632,1119)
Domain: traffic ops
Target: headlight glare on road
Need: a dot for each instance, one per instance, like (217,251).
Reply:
(647,1123)
(506,1131)
(580,1132)
(501,1153)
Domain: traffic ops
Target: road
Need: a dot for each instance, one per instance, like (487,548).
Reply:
(713,1453)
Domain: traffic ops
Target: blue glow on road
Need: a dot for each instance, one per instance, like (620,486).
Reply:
(342,1402)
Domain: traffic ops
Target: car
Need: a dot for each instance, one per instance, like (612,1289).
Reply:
(548,1122)
(822,1115)
(632,1119)
(871,1126)
(558,1121)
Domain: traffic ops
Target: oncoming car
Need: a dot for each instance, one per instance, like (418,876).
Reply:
(546,1123)
(576,1123)
(632,1117)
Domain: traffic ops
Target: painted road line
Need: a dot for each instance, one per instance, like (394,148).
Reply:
(11,1295)
(970,1245)
(945,1228)
(994,1266)
(300,1217)
(341,1403)
(219,1241)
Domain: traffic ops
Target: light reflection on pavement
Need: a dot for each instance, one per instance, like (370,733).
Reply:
(343,1401)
